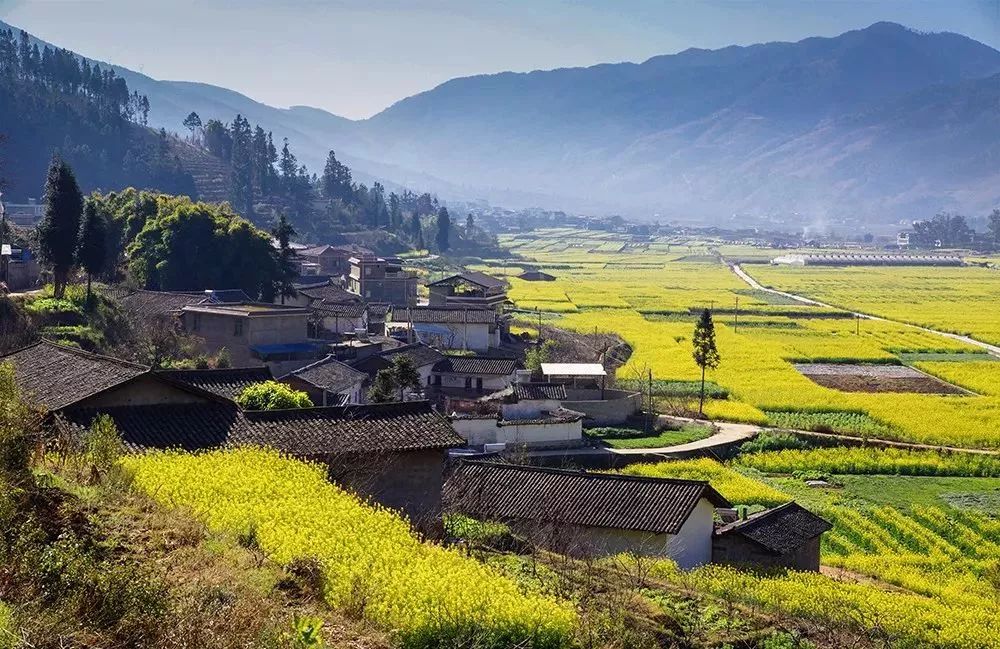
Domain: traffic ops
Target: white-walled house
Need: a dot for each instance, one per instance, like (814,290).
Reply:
(474,374)
(591,514)
(469,329)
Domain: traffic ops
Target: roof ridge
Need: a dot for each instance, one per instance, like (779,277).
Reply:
(387,406)
(86,354)
(587,474)
(759,516)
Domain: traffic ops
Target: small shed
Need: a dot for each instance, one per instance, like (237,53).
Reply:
(536,276)
(784,537)
(586,375)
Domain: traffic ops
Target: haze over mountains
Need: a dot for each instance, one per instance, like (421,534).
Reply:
(880,123)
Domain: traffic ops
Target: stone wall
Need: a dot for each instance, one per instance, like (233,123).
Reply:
(615,408)
(735,549)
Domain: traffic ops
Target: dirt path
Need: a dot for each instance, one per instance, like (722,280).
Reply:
(742,274)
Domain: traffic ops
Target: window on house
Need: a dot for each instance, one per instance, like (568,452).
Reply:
(196,322)
(479,384)
(238,328)
(468,383)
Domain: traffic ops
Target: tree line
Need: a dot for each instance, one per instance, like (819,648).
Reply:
(53,101)
(321,207)
(945,230)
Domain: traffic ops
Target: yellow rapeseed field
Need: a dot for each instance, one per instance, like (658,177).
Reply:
(374,567)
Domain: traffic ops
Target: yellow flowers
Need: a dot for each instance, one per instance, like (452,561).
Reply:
(871,461)
(373,566)
(734,486)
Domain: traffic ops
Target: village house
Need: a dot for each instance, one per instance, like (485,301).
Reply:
(473,375)
(254,333)
(329,382)
(382,279)
(469,329)
(329,260)
(423,356)
(392,453)
(590,514)
(783,537)
(468,288)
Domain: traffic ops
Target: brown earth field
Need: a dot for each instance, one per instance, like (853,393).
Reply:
(868,383)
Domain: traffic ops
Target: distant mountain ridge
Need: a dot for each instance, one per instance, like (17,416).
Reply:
(880,123)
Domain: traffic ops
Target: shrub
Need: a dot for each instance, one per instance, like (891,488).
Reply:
(774,441)
(272,395)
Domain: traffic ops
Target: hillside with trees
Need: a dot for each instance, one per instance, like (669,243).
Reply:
(54,101)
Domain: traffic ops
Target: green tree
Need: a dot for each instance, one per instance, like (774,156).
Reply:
(285,262)
(993,228)
(336,181)
(272,395)
(192,123)
(91,252)
(443,230)
(538,354)
(60,227)
(470,226)
(391,383)
(706,354)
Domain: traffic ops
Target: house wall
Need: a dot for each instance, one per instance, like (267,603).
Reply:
(407,481)
(616,407)
(219,330)
(22,275)
(527,409)
(275,329)
(491,382)
(736,549)
(538,435)
(342,325)
(144,390)
(474,337)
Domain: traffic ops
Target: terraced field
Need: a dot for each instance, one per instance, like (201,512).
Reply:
(648,294)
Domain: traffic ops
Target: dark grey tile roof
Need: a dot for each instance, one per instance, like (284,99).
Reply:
(379,309)
(330,374)
(780,530)
(539,391)
(476,365)
(388,427)
(226,383)
(558,416)
(421,354)
(54,376)
(536,276)
(156,303)
(445,315)
(473,277)
(330,294)
(516,492)
(344,310)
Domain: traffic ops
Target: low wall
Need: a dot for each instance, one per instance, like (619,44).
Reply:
(615,408)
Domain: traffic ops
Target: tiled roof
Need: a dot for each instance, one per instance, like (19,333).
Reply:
(379,309)
(330,374)
(515,492)
(473,277)
(310,281)
(446,315)
(154,303)
(330,294)
(420,353)
(226,383)
(247,309)
(539,391)
(535,276)
(412,425)
(780,530)
(476,365)
(55,376)
(348,310)
(558,416)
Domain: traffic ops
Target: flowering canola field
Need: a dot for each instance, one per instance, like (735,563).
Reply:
(648,293)
(373,566)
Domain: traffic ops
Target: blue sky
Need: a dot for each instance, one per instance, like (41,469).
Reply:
(354,57)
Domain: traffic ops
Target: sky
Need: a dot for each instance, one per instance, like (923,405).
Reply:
(356,57)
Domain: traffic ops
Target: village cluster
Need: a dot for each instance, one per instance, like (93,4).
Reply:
(470,437)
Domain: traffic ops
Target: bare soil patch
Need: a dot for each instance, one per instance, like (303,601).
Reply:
(875,378)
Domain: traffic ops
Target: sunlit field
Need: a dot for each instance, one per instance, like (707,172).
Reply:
(650,292)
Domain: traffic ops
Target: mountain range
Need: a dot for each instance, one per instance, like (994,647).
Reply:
(876,124)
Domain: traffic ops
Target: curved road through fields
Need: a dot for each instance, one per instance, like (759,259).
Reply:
(754,284)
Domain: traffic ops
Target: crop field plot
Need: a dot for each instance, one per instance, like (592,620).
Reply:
(651,298)
(874,378)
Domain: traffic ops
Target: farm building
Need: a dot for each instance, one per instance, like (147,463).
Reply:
(536,276)
(468,288)
(473,374)
(424,358)
(784,537)
(861,259)
(227,383)
(581,513)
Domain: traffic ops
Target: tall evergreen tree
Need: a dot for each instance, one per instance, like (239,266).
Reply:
(337,182)
(242,166)
(289,168)
(91,252)
(395,212)
(443,230)
(60,227)
(286,270)
(470,226)
(706,354)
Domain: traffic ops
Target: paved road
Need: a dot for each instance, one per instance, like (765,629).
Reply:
(742,274)
(728,433)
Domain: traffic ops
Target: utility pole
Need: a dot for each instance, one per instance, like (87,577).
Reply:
(736,324)
(649,401)
(857,320)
